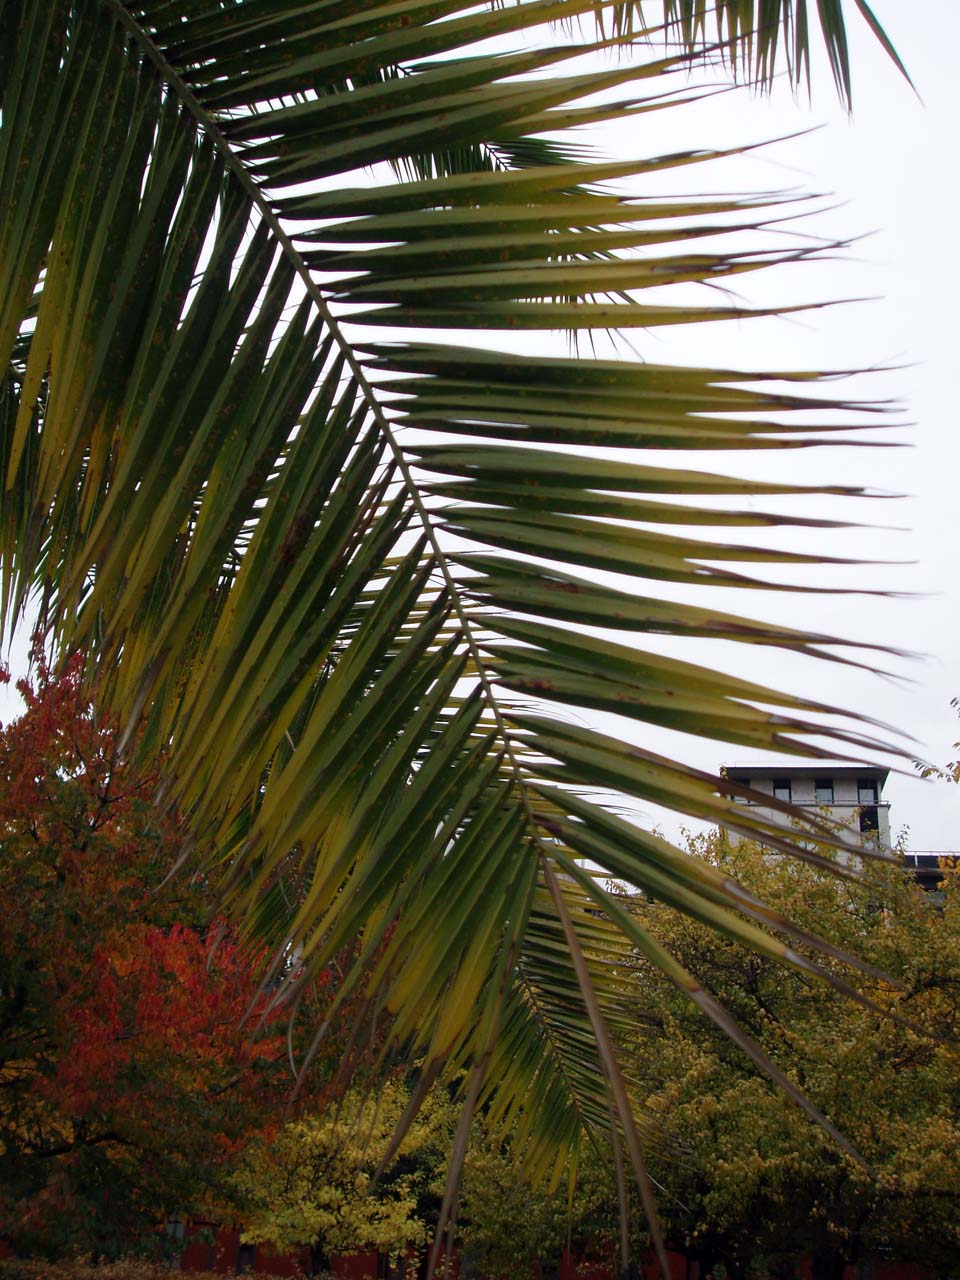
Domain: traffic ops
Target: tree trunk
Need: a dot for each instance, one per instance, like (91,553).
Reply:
(319,1260)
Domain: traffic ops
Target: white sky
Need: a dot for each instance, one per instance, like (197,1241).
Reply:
(894,168)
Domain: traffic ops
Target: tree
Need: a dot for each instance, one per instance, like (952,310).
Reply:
(329,1182)
(333,579)
(761,1187)
(508,1226)
(127,1079)
(316,1183)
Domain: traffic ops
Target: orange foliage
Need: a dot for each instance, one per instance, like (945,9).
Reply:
(127,1072)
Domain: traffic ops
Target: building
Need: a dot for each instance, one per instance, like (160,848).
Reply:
(929,866)
(851,795)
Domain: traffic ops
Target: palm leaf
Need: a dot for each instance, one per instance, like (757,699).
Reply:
(335,580)
(753,32)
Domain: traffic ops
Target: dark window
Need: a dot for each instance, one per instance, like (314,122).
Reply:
(782,789)
(869,819)
(246,1258)
(823,790)
(867,791)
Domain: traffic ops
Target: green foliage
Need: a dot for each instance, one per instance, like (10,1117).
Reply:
(758,1180)
(508,1224)
(314,1182)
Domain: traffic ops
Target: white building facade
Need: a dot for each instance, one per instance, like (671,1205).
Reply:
(851,795)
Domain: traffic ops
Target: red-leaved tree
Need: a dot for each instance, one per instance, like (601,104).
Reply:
(128,1075)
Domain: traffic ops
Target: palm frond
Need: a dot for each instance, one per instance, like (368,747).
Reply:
(752,33)
(336,580)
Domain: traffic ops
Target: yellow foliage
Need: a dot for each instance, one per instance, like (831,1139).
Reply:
(315,1185)
(754,1174)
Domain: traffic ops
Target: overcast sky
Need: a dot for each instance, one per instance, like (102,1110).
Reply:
(894,168)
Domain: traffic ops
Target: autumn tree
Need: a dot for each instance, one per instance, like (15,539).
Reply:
(323,1183)
(317,1183)
(757,1184)
(508,1223)
(127,1077)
